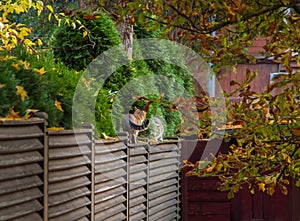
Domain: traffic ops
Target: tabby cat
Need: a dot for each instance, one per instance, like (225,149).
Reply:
(134,123)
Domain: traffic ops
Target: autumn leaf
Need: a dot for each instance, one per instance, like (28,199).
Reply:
(20,91)
(13,115)
(58,105)
(40,71)
(55,128)
(261,186)
(29,113)
(16,66)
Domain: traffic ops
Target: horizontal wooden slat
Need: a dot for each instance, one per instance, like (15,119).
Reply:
(110,184)
(29,217)
(137,192)
(110,212)
(20,210)
(19,171)
(137,184)
(104,167)
(109,157)
(107,147)
(137,200)
(166,214)
(113,174)
(164,162)
(162,206)
(65,163)
(19,197)
(18,146)
(71,139)
(102,196)
(162,191)
(68,196)
(162,170)
(163,177)
(138,216)
(65,152)
(20,158)
(163,148)
(109,203)
(137,159)
(20,132)
(119,216)
(137,167)
(135,177)
(56,176)
(8,186)
(75,183)
(163,155)
(136,209)
(137,151)
(164,183)
(79,213)
(162,199)
(68,206)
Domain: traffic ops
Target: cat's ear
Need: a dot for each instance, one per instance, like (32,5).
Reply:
(135,108)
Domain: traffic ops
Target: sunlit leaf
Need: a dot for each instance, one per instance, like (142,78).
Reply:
(58,105)
(21,92)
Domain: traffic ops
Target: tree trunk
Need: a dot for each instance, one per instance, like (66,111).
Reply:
(125,29)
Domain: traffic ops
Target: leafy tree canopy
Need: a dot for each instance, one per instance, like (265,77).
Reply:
(266,154)
(225,28)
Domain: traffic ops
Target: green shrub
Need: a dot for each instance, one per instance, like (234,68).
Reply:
(45,91)
(78,52)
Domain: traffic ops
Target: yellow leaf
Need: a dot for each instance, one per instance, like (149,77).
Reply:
(40,71)
(12,114)
(1,85)
(20,91)
(50,8)
(58,105)
(85,33)
(39,42)
(55,128)
(16,66)
(210,169)
(261,186)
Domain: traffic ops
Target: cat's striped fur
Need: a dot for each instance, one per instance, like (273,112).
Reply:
(134,123)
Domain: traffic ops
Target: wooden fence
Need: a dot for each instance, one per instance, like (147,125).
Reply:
(69,175)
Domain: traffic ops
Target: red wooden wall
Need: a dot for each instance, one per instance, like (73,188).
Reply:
(202,201)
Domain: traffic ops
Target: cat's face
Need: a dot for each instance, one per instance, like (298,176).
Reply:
(140,114)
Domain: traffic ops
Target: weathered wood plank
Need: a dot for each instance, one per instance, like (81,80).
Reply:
(57,164)
(19,171)
(68,196)
(8,186)
(104,167)
(20,158)
(18,146)
(104,205)
(64,152)
(67,185)
(65,140)
(19,210)
(79,213)
(15,198)
(56,176)
(104,215)
(67,207)
(20,132)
